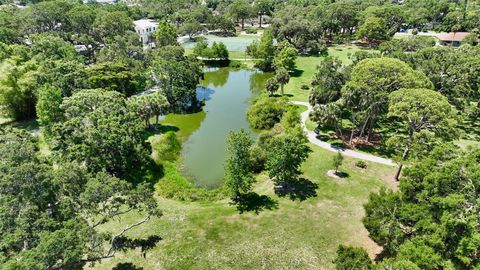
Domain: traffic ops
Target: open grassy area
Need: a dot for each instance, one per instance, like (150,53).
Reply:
(296,235)
(307,66)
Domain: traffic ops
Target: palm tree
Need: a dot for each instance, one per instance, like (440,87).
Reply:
(282,76)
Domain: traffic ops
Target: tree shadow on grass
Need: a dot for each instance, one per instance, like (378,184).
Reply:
(342,174)
(126,266)
(167,128)
(297,73)
(300,189)
(252,202)
(124,243)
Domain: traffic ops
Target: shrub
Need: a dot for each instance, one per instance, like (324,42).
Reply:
(258,157)
(361,164)
(199,38)
(266,112)
(175,186)
(352,258)
(265,139)
(251,30)
(291,118)
(236,64)
(166,147)
(217,50)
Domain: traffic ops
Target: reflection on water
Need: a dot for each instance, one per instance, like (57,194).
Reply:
(226,93)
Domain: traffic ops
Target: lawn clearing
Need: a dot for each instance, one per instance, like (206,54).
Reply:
(297,235)
(307,66)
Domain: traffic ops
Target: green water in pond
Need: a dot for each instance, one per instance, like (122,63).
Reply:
(227,94)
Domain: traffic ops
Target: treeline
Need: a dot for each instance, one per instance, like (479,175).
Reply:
(309,25)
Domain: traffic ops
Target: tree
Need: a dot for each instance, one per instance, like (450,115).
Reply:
(191,29)
(329,115)
(115,77)
(472,39)
(285,59)
(285,157)
(437,203)
(48,107)
(67,75)
(240,10)
(18,84)
(394,16)
(337,161)
(219,51)
(383,220)
(222,23)
(48,46)
(373,30)
(371,82)
(328,81)
(148,105)
(238,169)
(47,17)
(337,19)
(110,24)
(263,7)
(282,77)
(100,131)
(176,75)
(292,26)
(9,23)
(349,258)
(50,216)
(265,51)
(265,112)
(125,49)
(427,115)
(271,85)
(81,19)
(453,72)
(165,35)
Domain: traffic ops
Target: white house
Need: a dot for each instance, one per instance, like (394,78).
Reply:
(145,29)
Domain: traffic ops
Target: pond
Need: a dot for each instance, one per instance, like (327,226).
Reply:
(236,44)
(227,94)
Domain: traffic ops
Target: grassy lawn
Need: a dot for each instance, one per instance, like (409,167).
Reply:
(306,68)
(296,235)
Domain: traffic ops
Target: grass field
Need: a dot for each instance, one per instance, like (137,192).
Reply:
(295,235)
(306,68)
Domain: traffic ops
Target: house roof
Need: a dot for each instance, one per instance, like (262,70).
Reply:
(145,23)
(452,36)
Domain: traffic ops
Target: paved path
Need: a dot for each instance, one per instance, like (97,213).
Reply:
(312,137)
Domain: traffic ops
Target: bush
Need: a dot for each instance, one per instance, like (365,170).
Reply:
(361,164)
(166,147)
(291,118)
(217,50)
(266,112)
(175,186)
(352,258)
(258,158)
(250,30)
(199,38)
(236,64)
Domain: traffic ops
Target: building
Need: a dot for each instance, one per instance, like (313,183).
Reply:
(145,29)
(452,39)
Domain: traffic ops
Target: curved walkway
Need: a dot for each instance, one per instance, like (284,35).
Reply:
(312,137)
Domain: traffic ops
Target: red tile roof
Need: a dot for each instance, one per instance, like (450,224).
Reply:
(452,36)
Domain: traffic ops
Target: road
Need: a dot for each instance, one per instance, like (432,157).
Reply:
(312,137)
